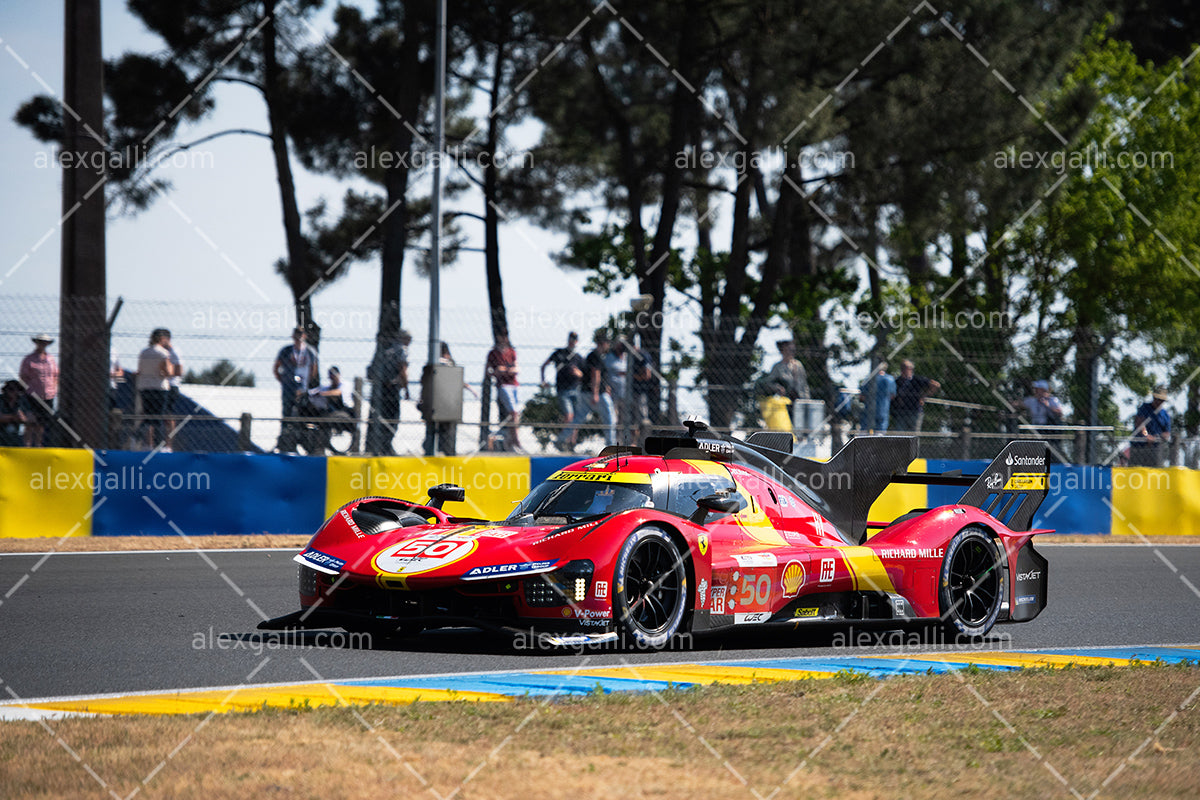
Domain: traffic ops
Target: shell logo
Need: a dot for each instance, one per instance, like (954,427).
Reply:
(793,578)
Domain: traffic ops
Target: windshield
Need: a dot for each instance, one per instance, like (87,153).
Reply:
(571,500)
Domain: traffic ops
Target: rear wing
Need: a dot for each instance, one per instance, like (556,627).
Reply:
(843,488)
(1011,488)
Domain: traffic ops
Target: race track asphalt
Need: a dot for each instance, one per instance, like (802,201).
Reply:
(84,623)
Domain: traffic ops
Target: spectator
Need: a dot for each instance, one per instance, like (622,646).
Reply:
(331,396)
(116,376)
(596,392)
(14,412)
(616,366)
(440,435)
(1043,407)
(908,409)
(567,380)
(296,370)
(388,374)
(173,405)
(39,375)
(154,383)
(1151,431)
(877,393)
(789,373)
(502,366)
(786,380)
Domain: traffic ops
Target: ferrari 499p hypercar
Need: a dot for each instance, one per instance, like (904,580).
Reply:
(693,532)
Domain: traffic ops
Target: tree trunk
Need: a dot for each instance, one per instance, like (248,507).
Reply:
(299,279)
(491,214)
(83,334)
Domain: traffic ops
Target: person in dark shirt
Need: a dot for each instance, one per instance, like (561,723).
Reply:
(14,412)
(1151,431)
(596,392)
(567,382)
(908,407)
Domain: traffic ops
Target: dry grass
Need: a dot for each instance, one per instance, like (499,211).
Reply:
(971,735)
(79,544)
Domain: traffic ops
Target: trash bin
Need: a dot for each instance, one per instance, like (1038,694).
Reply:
(810,416)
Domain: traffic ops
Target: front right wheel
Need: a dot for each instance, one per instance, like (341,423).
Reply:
(650,594)
(971,588)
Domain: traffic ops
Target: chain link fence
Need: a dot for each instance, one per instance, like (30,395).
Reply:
(969,392)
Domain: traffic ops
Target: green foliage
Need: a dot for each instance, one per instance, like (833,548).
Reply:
(222,373)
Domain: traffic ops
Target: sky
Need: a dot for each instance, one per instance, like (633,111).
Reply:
(209,245)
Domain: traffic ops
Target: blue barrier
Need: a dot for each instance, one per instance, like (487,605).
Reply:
(1077,500)
(200,494)
(542,467)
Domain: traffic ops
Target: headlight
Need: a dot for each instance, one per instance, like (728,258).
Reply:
(566,585)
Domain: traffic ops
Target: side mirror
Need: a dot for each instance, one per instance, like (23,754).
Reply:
(446,493)
(730,503)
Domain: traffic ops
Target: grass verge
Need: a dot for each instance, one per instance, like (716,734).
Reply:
(1121,732)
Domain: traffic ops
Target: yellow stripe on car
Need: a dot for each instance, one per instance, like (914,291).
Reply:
(600,477)
(866,568)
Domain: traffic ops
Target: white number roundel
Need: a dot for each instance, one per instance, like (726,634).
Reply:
(423,554)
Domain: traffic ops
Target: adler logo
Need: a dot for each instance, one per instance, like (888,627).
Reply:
(1025,461)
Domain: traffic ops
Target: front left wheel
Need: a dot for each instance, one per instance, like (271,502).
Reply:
(650,588)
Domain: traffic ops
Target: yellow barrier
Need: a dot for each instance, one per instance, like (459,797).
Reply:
(45,492)
(493,483)
(1155,502)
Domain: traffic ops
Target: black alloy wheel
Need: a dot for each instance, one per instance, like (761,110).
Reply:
(971,589)
(650,597)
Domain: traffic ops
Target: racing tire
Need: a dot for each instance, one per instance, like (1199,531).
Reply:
(971,584)
(650,589)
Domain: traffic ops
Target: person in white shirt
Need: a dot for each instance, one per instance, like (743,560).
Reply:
(154,382)
(330,396)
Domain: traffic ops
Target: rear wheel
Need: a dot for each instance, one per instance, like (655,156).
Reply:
(971,589)
(650,588)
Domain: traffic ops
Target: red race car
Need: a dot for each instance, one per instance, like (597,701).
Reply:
(693,532)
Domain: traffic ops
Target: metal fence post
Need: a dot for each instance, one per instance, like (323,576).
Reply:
(356,409)
(244,431)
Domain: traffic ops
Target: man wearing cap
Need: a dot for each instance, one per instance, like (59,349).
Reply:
(1043,407)
(1151,431)
(39,375)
